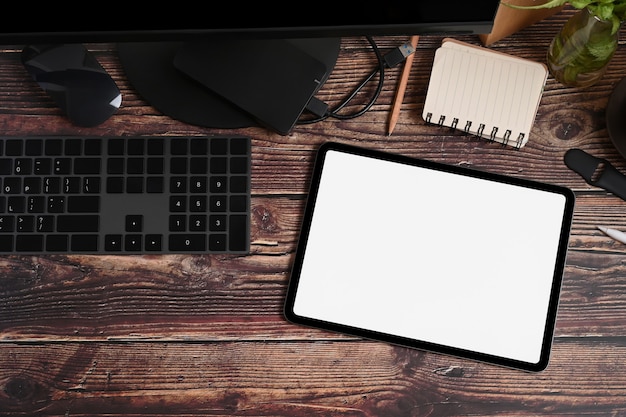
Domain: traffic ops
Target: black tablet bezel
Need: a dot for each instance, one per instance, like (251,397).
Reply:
(420,344)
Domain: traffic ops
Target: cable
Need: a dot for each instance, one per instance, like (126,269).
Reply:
(321,109)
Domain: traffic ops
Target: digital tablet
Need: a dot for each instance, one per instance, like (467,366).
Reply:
(431,256)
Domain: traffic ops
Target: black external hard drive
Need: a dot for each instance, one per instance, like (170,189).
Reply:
(270,79)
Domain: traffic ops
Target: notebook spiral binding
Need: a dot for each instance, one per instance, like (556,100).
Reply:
(480,132)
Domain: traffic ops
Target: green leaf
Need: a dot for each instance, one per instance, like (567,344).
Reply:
(602,51)
(548,5)
(603,11)
(580,4)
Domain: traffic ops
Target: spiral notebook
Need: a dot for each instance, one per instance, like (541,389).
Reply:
(484,93)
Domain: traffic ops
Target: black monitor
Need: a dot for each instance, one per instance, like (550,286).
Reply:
(166,50)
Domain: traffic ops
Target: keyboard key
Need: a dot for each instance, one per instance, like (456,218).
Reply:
(132,243)
(78,223)
(218,184)
(218,165)
(187,242)
(238,203)
(43,166)
(134,185)
(45,223)
(83,204)
(29,243)
(91,185)
(116,147)
(16,204)
(83,166)
(239,146)
(217,222)
(155,165)
(36,204)
(237,233)
(56,204)
(22,166)
(197,223)
(84,243)
(199,146)
(6,243)
(13,147)
(113,243)
(239,165)
(217,242)
(73,147)
(93,146)
(53,147)
(52,185)
(153,243)
(154,185)
(179,146)
(32,185)
(115,185)
(12,185)
(57,243)
(238,184)
(136,146)
(134,223)
(62,166)
(6,166)
(219,146)
(156,146)
(33,147)
(7,224)
(25,223)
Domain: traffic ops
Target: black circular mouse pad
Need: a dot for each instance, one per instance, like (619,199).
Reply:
(150,70)
(616,117)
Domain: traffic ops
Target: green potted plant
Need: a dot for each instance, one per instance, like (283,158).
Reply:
(579,54)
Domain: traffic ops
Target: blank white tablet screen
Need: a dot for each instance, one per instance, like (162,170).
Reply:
(432,256)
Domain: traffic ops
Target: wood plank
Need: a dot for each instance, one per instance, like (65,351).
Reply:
(183,297)
(303,379)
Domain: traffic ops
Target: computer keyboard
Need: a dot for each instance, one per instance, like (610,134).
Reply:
(124,195)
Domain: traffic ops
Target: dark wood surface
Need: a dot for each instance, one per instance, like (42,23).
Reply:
(205,334)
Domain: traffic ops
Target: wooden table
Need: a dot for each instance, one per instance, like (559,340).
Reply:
(205,334)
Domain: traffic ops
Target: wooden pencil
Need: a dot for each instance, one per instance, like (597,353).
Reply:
(399,98)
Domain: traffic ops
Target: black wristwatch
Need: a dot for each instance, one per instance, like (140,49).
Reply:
(596,171)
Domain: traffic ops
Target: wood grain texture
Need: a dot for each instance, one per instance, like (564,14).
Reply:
(205,335)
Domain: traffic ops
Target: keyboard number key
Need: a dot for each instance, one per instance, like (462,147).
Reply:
(178,204)
(218,184)
(217,223)
(217,203)
(187,242)
(197,223)
(178,223)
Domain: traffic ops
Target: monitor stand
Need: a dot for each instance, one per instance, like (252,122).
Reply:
(149,67)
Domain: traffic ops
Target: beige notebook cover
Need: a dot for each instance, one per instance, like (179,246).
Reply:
(484,93)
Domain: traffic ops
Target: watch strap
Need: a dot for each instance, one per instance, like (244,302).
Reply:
(596,171)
